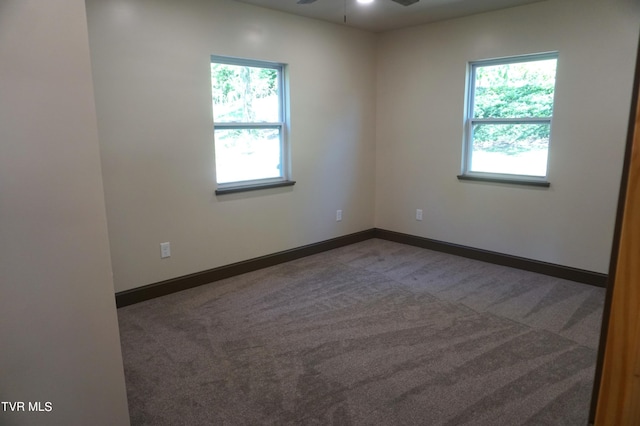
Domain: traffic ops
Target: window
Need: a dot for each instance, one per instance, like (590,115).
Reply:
(249,124)
(508,122)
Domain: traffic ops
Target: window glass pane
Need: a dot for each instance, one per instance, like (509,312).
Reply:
(247,154)
(515,90)
(510,148)
(245,94)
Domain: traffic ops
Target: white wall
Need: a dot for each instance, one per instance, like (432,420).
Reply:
(152,83)
(420,108)
(58,329)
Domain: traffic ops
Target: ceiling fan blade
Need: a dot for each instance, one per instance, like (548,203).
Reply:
(406,2)
(305,1)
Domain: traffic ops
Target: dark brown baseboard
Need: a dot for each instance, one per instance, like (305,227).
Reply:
(554,270)
(140,294)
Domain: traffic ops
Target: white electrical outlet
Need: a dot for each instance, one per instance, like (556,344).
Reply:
(165,250)
(418,214)
(338,215)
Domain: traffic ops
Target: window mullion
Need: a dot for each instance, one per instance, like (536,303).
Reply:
(274,125)
(521,120)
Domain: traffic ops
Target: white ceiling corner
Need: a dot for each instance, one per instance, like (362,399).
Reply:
(385,15)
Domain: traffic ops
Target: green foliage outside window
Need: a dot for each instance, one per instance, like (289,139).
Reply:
(519,90)
(244,94)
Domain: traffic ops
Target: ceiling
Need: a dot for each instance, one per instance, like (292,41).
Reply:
(385,15)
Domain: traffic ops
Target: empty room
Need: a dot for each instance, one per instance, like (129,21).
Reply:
(315,212)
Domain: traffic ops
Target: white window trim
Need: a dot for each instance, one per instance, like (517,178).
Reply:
(467,147)
(284,179)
